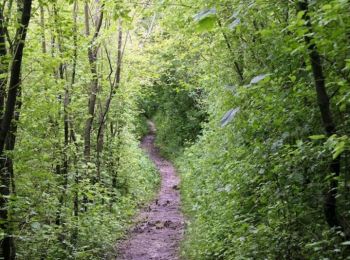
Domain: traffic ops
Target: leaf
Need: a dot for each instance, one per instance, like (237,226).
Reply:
(230,87)
(317,137)
(259,78)
(206,20)
(234,24)
(300,14)
(35,225)
(206,25)
(340,147)
(228,188)
(346,243)
(204,14)
(234,15)
(228,117)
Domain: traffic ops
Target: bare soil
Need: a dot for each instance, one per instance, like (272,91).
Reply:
(159,228)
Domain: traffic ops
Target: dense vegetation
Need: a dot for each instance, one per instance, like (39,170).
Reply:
(78,173)
(266,84)
(250,98)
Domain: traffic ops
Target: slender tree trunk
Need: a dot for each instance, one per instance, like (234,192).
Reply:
(114,87)
(87,21)
(238,68)
(92,56)
(8,249)
(74,237)
(8,170)
(3,63)
(115,163)
(62,167)
(15,74)
(330,204)
(7,245)
(42,24)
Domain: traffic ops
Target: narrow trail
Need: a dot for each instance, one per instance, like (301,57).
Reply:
(159,227)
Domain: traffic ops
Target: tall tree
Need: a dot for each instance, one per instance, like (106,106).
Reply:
(113,89)
(323,100)
(92,56)
(7,244)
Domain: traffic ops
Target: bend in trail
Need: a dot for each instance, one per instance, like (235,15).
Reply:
(160,226)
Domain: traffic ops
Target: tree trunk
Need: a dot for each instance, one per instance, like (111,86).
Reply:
(74,236)
(114,87)
(42,24)
(330,203)
(15,73)
(238,68)
(8,172)
(4,64)
(92,56)
(6,140)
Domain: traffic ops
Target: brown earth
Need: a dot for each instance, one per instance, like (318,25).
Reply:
(160,226)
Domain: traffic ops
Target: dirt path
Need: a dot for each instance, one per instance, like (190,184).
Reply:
(160,226)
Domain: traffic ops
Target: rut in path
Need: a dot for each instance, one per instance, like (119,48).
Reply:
(160,226)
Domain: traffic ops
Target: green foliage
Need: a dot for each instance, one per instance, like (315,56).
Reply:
(178,116)
(205,20)
(109,211)
(231,89)
(63,205)
(255,178)
(173,101)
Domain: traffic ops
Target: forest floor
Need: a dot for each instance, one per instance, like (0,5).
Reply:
(159,227)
